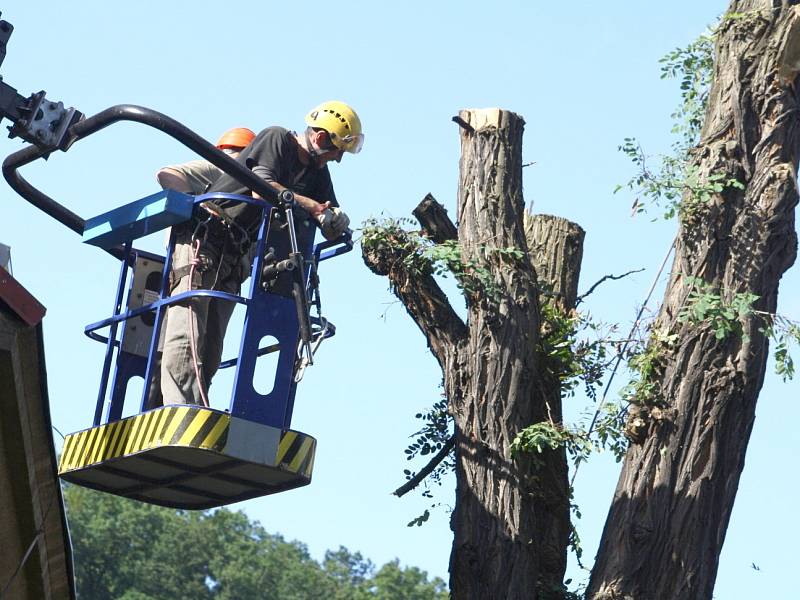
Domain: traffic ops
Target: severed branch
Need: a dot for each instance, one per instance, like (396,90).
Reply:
(463,124)
(425,302)
(605,278)
(427,469)
(435,223)
(420,294)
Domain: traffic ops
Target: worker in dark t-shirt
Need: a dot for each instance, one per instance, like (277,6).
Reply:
(276,155)
(286,160)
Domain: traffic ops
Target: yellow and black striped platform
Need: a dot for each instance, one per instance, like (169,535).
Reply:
(188,457)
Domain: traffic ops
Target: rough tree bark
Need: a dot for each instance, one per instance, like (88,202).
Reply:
(672,505)
(490,389)
(556,249)
(494,384)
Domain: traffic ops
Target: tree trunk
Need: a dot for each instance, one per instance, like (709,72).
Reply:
(490,388)
(556,249)
(492,377)
(667,523)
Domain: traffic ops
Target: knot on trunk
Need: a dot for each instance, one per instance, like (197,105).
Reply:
(643,421)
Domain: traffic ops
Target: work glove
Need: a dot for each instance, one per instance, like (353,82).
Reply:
(333,223)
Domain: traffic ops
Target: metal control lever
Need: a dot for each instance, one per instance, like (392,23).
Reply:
(304,361)
(286,197)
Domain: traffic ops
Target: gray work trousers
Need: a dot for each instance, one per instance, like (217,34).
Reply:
(220,270)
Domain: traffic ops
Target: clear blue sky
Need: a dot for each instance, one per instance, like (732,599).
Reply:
(583,74)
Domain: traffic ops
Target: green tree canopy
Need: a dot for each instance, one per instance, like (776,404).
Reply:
(126,550)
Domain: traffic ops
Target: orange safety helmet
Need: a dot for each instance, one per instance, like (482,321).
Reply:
(235,138)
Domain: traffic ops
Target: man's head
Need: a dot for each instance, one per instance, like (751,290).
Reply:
(234,140)
(333,129)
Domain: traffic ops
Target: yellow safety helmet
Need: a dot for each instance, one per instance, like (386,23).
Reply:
(341,122)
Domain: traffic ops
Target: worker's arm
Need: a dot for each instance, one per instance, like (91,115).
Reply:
(171,179)
(193,177)
(333,221)
(314,208)
(268,164)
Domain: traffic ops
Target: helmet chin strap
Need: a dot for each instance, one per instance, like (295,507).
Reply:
(313,152)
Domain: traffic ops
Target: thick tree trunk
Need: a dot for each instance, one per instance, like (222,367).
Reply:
(493,380)
(556,249)
(670,511)
(494,550)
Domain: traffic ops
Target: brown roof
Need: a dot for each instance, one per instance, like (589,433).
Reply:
(20,300)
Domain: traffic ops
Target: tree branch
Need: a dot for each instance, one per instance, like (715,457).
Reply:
(418,291)
(435,223)
(427,469)
(601,280)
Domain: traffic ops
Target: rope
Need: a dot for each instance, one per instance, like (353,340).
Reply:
(22,562)
(37,534)
(192,323)
(621,352)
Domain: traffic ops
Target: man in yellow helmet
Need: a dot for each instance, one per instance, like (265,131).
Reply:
(286,160)
(299,162)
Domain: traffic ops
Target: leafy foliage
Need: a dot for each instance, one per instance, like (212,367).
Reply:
(549,592)
(134,551)
(536,438)
(436,429)
(646,363)
(784,332)
(422,256)
(580,441)
(693,65)
(608,430)
(430,438)
(725,313)
(574,348)
(706,305)
(393,582)
(423,518)
(673,181)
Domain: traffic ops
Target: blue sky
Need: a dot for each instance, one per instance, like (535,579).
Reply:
(584,75)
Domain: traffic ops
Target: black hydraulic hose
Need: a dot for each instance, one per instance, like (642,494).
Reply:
(300,298)
(302,312)
(114,114)
(36,197)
